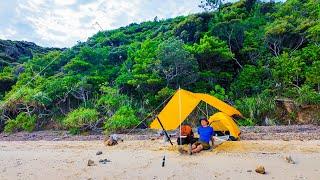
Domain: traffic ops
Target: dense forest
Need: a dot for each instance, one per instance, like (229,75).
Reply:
(250,54)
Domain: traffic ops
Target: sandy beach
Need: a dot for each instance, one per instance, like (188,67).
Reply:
(142,159)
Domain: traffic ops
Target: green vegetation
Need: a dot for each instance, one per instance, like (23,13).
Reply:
(22,122)
(81,118)
(122,119)
(248,53)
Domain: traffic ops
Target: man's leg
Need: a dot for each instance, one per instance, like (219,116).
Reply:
(212,139)
(194,146)
(197,149)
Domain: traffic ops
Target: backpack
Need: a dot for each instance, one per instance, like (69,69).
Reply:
(186,130)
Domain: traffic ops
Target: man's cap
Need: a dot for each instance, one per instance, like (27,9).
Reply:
(203,118)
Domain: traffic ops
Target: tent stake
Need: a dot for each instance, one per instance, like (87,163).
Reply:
(165,132)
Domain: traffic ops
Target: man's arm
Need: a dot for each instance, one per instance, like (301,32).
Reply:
(212,136)
(212,140)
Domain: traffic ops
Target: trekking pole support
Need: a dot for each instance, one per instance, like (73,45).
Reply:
(165,132)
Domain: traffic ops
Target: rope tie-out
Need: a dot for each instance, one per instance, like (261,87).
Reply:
(126,135)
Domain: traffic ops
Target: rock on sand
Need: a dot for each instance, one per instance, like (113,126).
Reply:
(260,169)
(90,162)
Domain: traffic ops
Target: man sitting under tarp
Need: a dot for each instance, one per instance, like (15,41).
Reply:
(206,133)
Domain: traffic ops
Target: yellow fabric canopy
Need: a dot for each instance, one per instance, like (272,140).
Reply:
(186,101)
(222,122)
(218,104)
(170,117)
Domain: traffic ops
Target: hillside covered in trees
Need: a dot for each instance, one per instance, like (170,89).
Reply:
(250,54)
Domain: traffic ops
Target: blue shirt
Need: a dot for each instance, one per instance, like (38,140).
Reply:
(205,133)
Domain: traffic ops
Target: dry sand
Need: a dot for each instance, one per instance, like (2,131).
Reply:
(142,160)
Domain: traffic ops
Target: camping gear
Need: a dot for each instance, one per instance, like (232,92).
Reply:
(112,140)
(220,139)
(165,132)
(163,161)
(186,140)
(224,125)
(186,130)
(184,102)
(187,135)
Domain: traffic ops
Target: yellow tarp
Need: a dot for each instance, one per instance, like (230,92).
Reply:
(185,102)
(218,104)
(222,122)
(170,116)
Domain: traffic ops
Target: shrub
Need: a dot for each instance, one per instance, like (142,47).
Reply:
(80,118)
(163,94)
(11,126)
(124,118)
(307,95)
(219,92)
(111,100)
(246,122)
(256,108)
(22,122)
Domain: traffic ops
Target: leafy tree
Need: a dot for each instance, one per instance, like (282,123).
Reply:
(177,66)
(77,65)
(231,32)
(115,39)
(313,75)
(190,29)
(144,64)
(250,81)
(288,71)
(111,100)
(47,64)
(314,34)
(210,52)
(7,79)
(117,55)
(214,59)
(219,92)
(211,4)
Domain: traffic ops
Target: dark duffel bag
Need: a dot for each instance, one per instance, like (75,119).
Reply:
(186,140)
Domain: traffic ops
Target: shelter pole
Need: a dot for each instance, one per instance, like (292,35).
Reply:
(207,110)
(201,110)
(180,114)
(165,132)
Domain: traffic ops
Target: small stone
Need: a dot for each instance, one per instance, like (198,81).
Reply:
(289,160)
(104,161)
(110,141)
(249,170)
(152,139)
(260,169)
(90,162)
(99,153)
